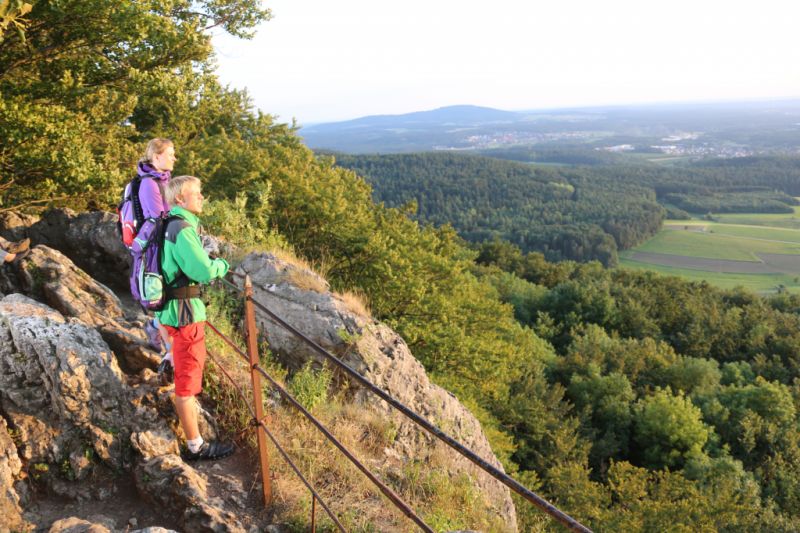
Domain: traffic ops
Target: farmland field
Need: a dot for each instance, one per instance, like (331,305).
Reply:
(759,219)
(759,252)
(764,283)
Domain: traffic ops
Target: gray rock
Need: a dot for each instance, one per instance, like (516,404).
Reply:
(180,490)
(14,226)
(377,353)
(89,239)
(10,467)
(155,442)
(78,525)
(49,276)
(207,518)
(61,385)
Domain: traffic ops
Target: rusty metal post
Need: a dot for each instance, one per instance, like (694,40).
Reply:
(255,377)
(313,514)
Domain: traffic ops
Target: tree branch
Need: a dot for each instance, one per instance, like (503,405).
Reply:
(34,202)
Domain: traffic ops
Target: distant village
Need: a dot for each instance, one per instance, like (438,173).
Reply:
(682,144)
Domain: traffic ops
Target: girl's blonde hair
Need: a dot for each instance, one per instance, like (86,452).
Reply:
(175,186)
(154,147)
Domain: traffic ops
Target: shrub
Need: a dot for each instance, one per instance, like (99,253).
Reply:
(310,386)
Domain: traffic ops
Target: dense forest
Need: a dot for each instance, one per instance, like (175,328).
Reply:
(635,402)
(565,213)
(571,212)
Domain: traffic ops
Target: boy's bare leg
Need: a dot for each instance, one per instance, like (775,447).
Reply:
(186,406)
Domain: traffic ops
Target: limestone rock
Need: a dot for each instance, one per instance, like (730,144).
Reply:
(48,275)
(155,442)
(377,353)
(10,467)
(51,275)
(14,226)
(89,239)
(180,490)
(78,525)
(59,381)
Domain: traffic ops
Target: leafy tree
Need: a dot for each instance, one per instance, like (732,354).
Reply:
(70,90)
(668,430)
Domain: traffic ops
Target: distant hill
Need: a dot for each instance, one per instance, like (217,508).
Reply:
(456,114)
(421,130)
(589,135)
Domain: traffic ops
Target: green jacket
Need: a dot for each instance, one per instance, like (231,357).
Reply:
(183,252)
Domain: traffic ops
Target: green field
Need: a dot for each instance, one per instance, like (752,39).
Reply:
(757,219)
(691,246)
(723,241)
(764,283)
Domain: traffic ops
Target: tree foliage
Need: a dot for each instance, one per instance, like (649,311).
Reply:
(77,86)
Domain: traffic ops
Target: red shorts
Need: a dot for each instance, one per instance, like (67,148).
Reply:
(188,357)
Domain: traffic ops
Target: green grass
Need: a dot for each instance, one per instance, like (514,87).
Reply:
(718,243)
(759,219)
(736,237)
(763,283)
(758,232)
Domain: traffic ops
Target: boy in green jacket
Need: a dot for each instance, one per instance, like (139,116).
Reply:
(185,266)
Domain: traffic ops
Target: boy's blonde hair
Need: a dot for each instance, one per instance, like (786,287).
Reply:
(154,147)
(175,187)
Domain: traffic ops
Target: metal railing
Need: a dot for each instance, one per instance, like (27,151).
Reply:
(256,410)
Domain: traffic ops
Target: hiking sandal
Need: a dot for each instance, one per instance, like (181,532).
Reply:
(209,451)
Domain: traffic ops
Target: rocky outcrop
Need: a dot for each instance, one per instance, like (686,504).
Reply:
(62,369)
(89,239)
(75,372)
(377,353)
(51,277)
(75,412)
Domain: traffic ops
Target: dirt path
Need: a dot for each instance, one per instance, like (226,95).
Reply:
(114,501)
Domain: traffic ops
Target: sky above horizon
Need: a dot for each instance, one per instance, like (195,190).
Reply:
(321,61)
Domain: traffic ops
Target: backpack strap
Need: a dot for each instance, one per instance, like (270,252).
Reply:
(138,211)
(171,227)
(138,214)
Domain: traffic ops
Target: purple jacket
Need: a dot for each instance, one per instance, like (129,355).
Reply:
(153,204)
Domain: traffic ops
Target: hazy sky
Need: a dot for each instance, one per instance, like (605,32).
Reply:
(324,60)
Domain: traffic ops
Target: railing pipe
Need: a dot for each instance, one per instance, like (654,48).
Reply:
(504,478)
(255,378)
(389,493)
(280,449)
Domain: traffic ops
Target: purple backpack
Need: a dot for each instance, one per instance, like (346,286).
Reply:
(147,279)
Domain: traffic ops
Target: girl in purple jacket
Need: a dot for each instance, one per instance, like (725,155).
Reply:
(155,169)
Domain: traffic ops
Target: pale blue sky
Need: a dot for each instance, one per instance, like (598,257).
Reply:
(323,60)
